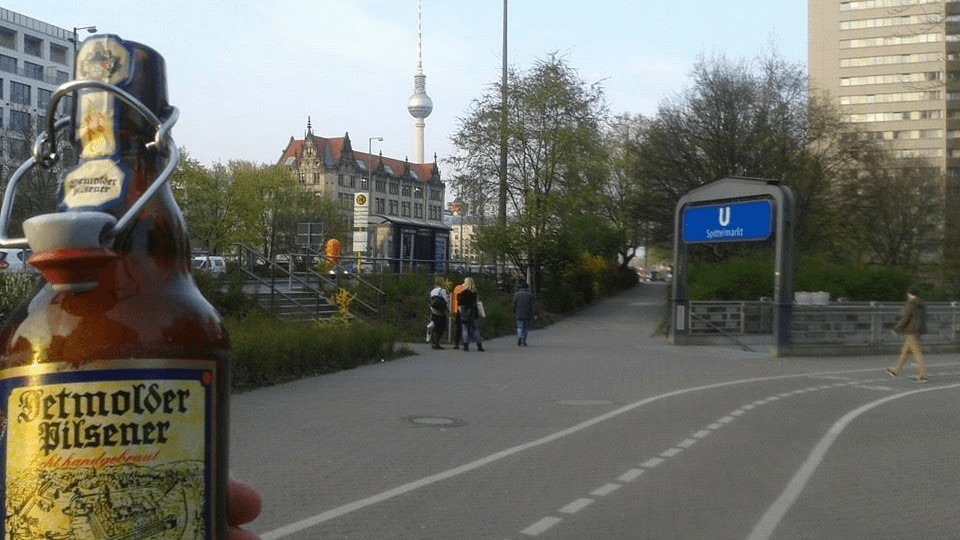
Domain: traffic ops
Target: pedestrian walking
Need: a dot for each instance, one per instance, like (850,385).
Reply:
(523,303)
(912,323)
(439,300)
(455,315)
(468,305)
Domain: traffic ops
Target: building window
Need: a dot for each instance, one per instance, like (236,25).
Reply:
(418,211)
(394,206)
(8,64)
(405,209)
(19,93)
(58,54)
(34,71)
(353,181)
(407,190)
(340,180)
(381,205)
(394,188)
(43,98)
(364,183)
(19,148)
(8,38)
(418,192)
(33,46)
(62,77)
(381,185)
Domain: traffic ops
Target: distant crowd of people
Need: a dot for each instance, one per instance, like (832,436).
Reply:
(464,309)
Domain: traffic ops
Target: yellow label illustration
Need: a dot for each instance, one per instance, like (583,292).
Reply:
(111,459)
(97,134)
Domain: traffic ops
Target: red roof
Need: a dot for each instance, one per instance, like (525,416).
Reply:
(332,149)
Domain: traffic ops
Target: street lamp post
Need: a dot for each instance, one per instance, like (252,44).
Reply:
(370,157)
(369,181)
(76,38)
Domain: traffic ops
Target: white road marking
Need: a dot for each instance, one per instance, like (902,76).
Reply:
(687,443)
(404,489)
(576,506)
(541,526)
(774,515)
(630,475)
(652,462)
(671,452)
(605,490)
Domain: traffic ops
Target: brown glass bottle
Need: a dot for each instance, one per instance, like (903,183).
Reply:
(114,386)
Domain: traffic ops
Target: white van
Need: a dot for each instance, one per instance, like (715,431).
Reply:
(209,263)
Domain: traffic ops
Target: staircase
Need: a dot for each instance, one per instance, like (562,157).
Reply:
(295,296)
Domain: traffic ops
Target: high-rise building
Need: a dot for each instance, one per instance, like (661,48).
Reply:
(893,68)
(35,58)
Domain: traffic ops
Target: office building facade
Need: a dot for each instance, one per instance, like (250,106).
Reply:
(893,68)
(35,58)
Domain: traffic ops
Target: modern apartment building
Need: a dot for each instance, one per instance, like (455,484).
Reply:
(35,58)
(893,67)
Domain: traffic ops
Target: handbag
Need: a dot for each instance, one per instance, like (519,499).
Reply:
(480,310)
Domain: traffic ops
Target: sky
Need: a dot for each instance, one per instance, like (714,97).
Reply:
(247,74)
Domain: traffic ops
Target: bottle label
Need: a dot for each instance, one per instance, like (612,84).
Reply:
(111,451)
(98,182)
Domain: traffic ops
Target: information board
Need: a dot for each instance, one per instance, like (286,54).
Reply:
(747,221)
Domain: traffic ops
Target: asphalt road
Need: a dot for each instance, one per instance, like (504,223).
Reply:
(599,431)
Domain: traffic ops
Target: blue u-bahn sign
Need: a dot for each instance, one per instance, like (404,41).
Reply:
(747,221)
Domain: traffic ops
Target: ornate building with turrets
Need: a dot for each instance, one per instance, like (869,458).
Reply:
(406,200)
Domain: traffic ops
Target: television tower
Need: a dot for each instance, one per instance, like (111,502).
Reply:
(419,105)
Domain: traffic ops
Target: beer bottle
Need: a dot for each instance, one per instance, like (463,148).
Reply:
(114,376)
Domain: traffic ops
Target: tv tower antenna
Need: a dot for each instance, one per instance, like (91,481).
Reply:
(419,105)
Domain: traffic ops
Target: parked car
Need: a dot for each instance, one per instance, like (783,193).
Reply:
(13,260)
(210,263)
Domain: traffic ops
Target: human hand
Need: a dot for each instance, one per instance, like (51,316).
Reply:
(243,506)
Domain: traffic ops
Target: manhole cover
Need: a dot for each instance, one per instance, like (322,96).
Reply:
(434,421)
(585,402)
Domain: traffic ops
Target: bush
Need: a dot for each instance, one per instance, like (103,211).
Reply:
(14,290)
(268,351)
(750,278)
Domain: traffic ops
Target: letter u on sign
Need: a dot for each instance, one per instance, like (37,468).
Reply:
(724,218)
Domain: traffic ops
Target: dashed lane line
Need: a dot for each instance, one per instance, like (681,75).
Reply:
(404,489)
(775,513)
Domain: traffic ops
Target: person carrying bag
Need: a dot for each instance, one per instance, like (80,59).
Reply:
(469,314)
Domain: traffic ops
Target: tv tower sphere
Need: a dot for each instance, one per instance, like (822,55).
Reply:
(420,105)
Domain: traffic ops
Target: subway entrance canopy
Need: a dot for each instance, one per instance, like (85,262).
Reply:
(735,209)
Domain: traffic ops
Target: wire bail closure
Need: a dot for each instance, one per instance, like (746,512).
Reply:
(162,142)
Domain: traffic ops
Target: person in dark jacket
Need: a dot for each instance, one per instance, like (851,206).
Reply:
(523,303)
(469,314)
(909,326)
(438,315)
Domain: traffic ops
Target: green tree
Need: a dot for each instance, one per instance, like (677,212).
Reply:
(745,118)
(207,199)
(556,164)
(242,202)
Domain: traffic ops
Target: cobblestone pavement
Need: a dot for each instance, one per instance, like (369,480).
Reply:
(600,430)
